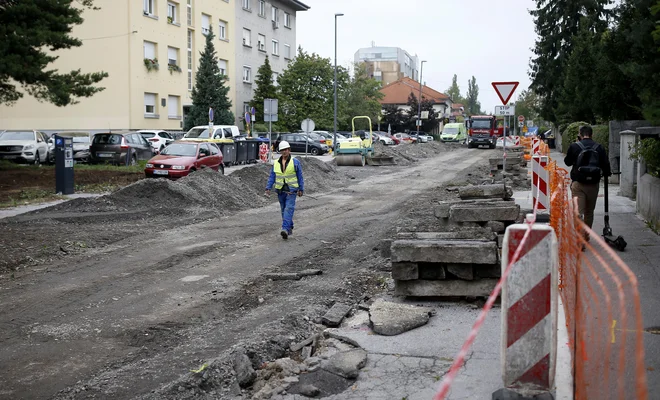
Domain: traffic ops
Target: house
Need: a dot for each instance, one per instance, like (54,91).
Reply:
(397,93)
(388,64)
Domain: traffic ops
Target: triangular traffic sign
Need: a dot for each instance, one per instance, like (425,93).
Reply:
(505,90)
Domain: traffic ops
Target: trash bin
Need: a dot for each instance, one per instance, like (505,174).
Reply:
(228,149)
(252,150)
(241,151)
(551,142)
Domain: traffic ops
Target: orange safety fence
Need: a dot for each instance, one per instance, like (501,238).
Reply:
(601,303)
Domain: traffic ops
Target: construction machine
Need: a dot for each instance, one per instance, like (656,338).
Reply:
(359,150)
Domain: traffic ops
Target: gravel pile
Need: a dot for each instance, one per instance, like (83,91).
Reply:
(407,154)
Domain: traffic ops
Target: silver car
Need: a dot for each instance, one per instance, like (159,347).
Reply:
(28,146)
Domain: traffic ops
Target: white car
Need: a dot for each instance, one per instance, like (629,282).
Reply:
(384,139)
(158,139)
(24,146)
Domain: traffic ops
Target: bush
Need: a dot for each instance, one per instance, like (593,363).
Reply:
(264,127)
(602,136)
(648,150)
(570,135)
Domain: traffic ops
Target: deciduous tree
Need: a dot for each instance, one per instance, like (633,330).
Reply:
(265,89)
(472,104)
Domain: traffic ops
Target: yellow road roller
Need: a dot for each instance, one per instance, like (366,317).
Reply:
(359,149)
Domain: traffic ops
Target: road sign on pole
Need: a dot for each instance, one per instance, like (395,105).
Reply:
(505,90)
(307,126)
(505,110)
(521,118)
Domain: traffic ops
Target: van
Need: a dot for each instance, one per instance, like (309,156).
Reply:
(220,132)
(454,132)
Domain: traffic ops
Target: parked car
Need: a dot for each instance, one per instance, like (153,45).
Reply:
(394,139)
(119,148)
(27,146)
(81,143)
(158,139)
(405,138)
(298,141)
(422,137)
(201,132)
(383,138)
(184,157)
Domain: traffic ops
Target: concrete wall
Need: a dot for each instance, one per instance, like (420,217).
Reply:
(648,198)
(615,139)
(628,167)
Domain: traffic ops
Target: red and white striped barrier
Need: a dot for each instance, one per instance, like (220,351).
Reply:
(529,309)
(540,183)
(517,142)
(536,146)
(263,152)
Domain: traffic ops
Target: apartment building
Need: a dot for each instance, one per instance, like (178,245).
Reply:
(264,28)
(388,64)
(150,49)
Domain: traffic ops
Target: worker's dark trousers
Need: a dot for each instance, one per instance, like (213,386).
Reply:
(587,195)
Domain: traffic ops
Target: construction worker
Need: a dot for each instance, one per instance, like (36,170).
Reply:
(287,177)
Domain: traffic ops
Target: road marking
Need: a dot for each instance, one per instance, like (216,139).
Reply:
(193,278)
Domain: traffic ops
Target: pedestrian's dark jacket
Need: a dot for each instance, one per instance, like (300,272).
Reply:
(574,151)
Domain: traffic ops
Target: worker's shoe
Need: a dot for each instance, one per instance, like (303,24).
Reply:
(285,234)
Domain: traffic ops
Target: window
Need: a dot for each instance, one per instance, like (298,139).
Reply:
(274,14)
(149,50)
(275,76)
(189,13)
(206,24)
(247,74)
(189,48)
(148,7)
(222,30)
(222,64)
(204,150)
(246,4)
(262,8)
(276,48)
(262,42)
(172,13)
(172,56)
(287,20)
(287,51)
(150,105)
(214,149)
(246,108)
(247,37)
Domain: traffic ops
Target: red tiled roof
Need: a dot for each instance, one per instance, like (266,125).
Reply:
(397,92)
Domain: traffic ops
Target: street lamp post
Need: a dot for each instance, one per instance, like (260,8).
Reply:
(419,101)
(334,139)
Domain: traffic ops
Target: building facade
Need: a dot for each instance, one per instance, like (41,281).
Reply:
(263,28)
(388,64)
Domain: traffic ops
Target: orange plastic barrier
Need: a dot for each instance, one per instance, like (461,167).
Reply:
(601,302)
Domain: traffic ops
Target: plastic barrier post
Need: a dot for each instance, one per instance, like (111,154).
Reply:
(529,314)
(540,183)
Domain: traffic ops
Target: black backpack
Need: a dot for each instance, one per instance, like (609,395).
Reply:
(588,164)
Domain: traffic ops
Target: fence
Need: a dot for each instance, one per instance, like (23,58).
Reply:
(601,303)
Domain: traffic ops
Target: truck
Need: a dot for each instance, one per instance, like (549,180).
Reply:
(483,130)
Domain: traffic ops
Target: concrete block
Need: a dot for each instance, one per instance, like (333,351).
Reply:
(500,239)
(423,288)
(496,226)
(445,251)
(485,191)
(480,213)
(461,271)
(431,271)
(405,271)
(442,210)
(335,314)
(463,234)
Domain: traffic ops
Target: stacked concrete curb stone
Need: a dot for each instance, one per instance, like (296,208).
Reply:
(463,259)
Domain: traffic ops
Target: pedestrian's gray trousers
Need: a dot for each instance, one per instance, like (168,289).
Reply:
(587,194)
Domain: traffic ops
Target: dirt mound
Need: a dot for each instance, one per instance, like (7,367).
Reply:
(407,154)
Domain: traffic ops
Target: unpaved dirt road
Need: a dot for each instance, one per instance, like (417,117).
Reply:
(127,319)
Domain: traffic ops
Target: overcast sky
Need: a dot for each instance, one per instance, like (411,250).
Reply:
(491,40)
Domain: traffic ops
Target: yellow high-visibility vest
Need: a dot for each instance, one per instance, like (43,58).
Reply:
(289,175)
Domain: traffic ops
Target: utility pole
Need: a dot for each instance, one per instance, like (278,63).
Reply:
(419,102)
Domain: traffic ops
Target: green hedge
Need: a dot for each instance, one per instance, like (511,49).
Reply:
(602,136)
(569,135)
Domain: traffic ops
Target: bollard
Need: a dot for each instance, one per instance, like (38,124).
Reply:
(529,314)
(540,183)
(536,146)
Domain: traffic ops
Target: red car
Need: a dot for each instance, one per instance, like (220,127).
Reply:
(181,158)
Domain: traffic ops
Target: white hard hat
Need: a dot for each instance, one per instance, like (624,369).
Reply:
(284,145)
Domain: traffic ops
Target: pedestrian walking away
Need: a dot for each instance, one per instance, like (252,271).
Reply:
(589,161)
(287,178)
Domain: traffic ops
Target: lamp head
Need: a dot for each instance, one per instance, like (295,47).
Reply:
(339,15)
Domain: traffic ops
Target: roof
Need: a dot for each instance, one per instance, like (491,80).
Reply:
(456,106)
(296,5)
(397,92)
